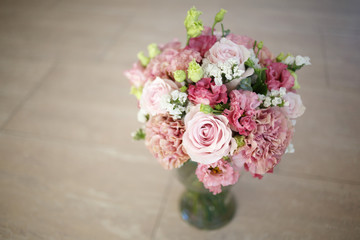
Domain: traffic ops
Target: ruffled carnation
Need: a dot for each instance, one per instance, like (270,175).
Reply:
(164,140)
(217,174)
(202,43)
(242,111)
(278,76)
(136,75)
(266,144)
(206,92)
(169,61)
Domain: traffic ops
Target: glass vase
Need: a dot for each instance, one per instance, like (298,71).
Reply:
(201,208)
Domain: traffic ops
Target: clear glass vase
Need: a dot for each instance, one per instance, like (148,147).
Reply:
(201,208)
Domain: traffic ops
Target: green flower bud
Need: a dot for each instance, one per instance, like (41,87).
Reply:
(280,57)
(153,50)
(240,140)
(220,15)
(193,25)
(260,45)
(206,109)
(183,89)
(195,72)
(179,75)
(296,83)
(143,59)
(137,92)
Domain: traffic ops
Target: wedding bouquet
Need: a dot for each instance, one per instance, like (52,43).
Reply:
(223,101)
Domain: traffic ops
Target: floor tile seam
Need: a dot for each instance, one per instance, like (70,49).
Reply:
(162,208)
(307,176)
(324,56)
(29,95)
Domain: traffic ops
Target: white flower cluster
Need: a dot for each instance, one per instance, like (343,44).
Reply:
(299,60)
(290,148)
(274,98)
(175,103)
(254,59)
(229,69)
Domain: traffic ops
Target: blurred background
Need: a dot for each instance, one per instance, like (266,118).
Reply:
(69,168)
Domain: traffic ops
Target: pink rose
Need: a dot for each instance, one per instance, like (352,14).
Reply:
(295,108)
(226,49)
(153,93)
(136,75)
(278,76)
(248,42)
(208,137)
(207,92)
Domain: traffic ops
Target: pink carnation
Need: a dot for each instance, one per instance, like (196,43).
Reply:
(242,111)
(202,43)
(136,75)
(164,140)
(266,144)
(182,59)
(217,174)
(207,92)
(175,44)
(278,76)
(169,61)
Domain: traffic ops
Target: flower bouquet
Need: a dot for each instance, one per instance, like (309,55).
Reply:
(223,101)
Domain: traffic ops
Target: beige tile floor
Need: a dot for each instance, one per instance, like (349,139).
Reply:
(69,169)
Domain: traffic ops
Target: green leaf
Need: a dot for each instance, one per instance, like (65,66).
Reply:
(260,85)
(139,134)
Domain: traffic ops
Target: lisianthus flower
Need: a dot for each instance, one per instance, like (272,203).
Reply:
(217,174)
(208,137)
(206,92)
(242,111)
(266,144)
(202,43)
(278,76)
(152,94)
(164,140)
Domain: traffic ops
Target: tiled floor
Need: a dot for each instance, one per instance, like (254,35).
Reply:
(68,166)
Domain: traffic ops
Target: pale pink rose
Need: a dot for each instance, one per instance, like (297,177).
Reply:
(207,92)
(226,49)
(295,108)
(164,140)
(208,137)
(217,174)
(266,144)
(248,42)
(278,76)
(136,75)
(152,95)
